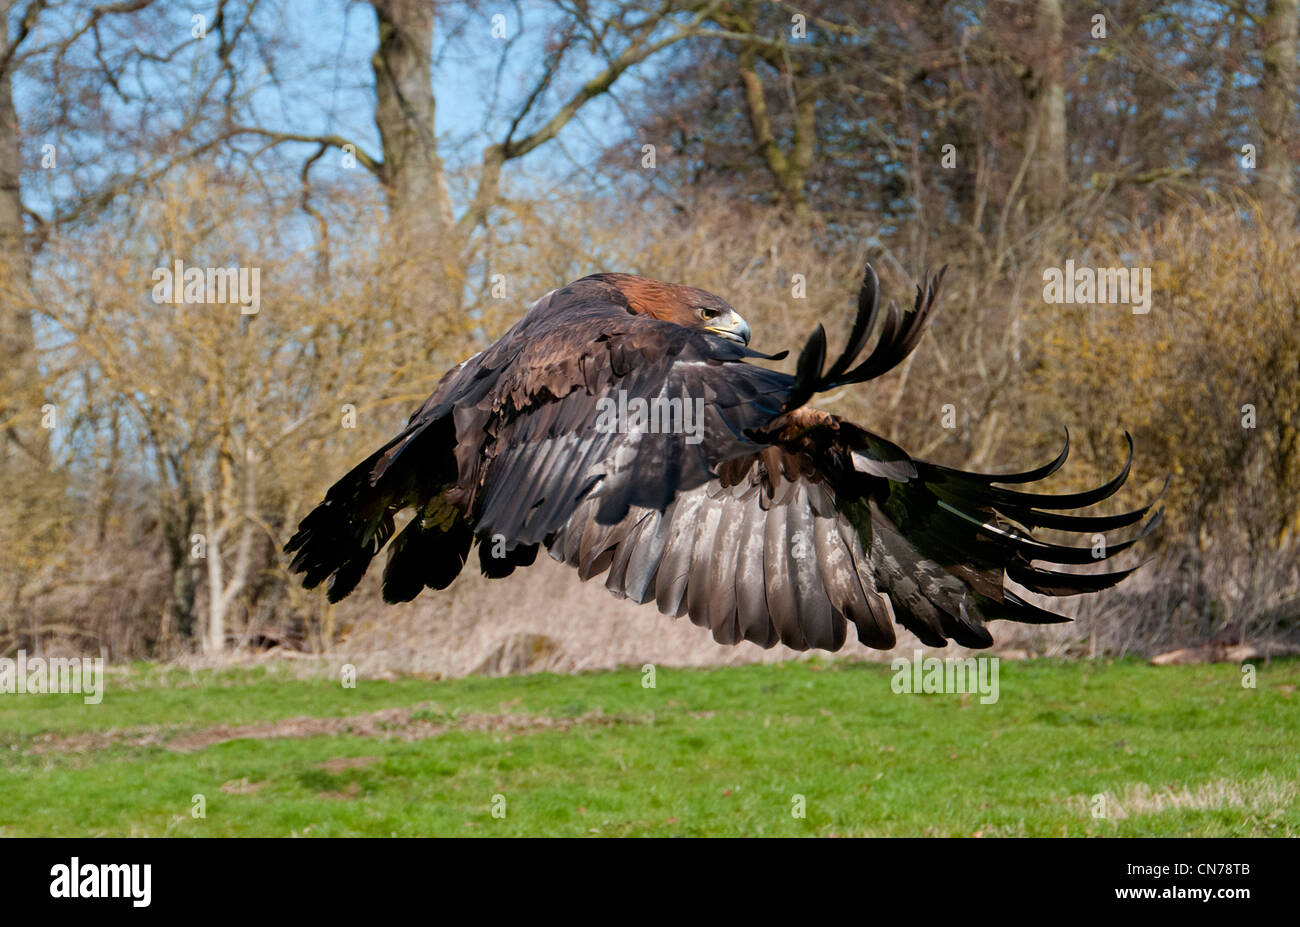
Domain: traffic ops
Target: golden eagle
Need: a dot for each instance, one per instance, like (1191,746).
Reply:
(620,425)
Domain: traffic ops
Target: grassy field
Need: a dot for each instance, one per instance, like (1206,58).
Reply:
(732,751)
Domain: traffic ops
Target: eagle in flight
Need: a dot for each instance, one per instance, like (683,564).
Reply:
(621,425)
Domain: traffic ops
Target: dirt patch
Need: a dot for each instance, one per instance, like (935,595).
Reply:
(1208,653)
(240,786)
(90,741)
(342,763)
(419,722)
(352,791)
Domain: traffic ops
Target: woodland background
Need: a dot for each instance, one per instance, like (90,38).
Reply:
(409,176)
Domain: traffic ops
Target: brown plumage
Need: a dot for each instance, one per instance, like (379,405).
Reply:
(763,520)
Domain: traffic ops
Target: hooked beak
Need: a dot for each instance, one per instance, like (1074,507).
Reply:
(732,327)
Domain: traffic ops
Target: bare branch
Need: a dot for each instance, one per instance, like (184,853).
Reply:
(498,154)
(330,141)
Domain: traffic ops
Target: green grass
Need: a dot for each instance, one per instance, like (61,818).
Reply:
(1175,750)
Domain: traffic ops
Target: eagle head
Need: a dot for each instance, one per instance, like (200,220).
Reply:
(687,306)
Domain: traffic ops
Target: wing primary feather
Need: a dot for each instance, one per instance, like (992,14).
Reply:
(723,615)
(698,586)
(752,614)
(675,566)
(777,582)
(863,323)
(819,625)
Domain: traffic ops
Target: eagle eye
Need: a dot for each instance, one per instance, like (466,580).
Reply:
(708,314)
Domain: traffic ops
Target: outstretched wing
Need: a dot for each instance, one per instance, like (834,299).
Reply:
(796,542)
(513,439)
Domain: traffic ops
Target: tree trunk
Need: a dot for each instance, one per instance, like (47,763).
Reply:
(426,274)
(1048,177)
(21,434)
(789,173)
(229,511)
(404,113)
(1278,43)
(178,529)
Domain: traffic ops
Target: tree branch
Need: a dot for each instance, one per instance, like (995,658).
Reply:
(498,154)
(330,141)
